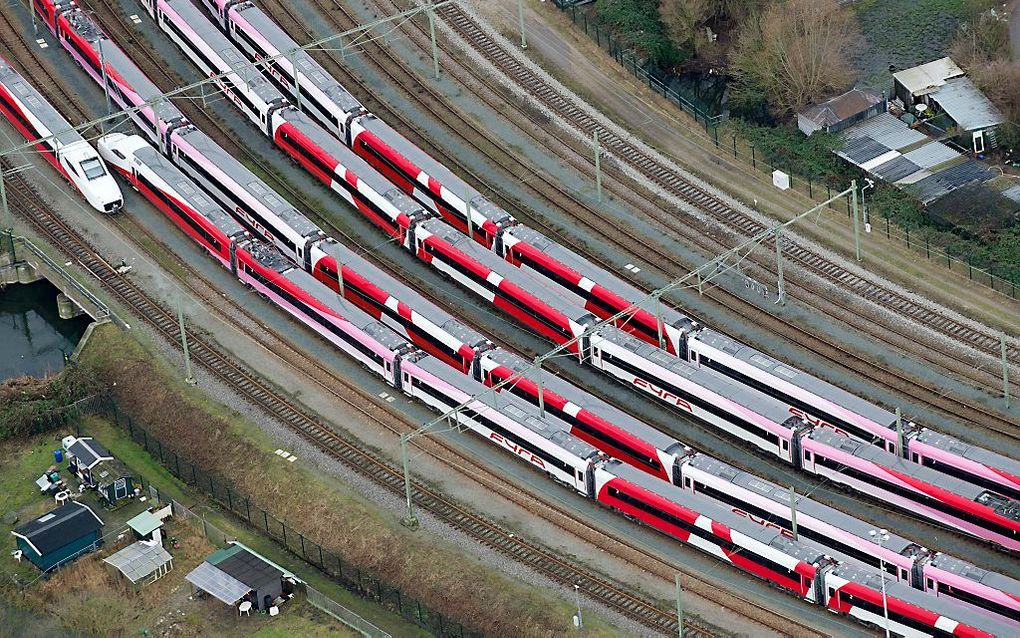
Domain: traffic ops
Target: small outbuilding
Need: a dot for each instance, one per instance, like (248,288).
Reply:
(236,573)
(841,112)
(60,535)
(141,562)
(97,469)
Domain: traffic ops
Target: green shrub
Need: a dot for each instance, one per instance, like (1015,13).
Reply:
(637,25)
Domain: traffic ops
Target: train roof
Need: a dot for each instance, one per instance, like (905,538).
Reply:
(533,285)
(805,505)
(521,411)
(972,572)
(942,606)
(799,378)
(404,293)
(597,274)
(306,64)
(968,451)
(720,384)
(573,393)
(1003,506)
(37,104)
(197,200)
(708,507)
(205,29)
(255,186)
(354,163)
(140,83)
(443,175)
(317,290)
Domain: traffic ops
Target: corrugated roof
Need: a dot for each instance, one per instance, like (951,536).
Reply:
(214,581)
(842,107)
(887,130)
(1012,193)
(862,149)
(139,560)
(929,76)
(931,154)
(895,170)
(967,105)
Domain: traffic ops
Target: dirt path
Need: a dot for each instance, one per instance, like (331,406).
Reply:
(1014,29)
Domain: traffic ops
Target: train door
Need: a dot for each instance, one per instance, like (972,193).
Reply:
(589,481)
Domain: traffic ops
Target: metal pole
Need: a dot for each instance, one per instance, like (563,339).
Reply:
(900,448)
(541,392)
(598,166)
(297,82)
(432,36)
(409,520)
(520,17)
(31,12)
(793,512)
(188,378)
(106,89)
(577,599)
(8,220)
(1006,369)
(470,231)
(658,322)
(679,607)
(339,273)
(857,218)
(882,536)
(779,266)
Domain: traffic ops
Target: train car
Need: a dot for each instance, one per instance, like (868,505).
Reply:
(611,430)
(914,488)
(857,593)
(515,425)
(712,398)
(163,184)
(293,70)
(697,521)
(487,276)
(82,38)
(848,538)
(598,290)
(829,406)
(53,136)
(399,307)
(308,144)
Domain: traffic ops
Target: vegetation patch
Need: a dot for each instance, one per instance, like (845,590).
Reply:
(29,405)
(225,444)
(636,25)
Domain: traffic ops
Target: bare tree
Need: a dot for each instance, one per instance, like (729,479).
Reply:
(794,54)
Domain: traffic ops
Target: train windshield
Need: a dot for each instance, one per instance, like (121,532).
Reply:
(93,168)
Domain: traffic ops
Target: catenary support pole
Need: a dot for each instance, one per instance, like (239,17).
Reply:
(409,520)
(793,512)
(432,36)
(679,607)
(899,433)
(1006,370)
(781,300)
(857,219)
(188,378)
(470,211)
(8,221)
(598,165)
(297,77)
(520,17)
(339,272)
(541,390)
(31,12)
(102,63)
(658,322)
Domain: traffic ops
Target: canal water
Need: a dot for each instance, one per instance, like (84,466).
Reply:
(33,337)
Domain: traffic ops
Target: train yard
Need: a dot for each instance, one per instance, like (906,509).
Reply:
(612,595)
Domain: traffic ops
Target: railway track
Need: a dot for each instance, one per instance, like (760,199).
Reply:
(428,97)
(680,186)
(27,201)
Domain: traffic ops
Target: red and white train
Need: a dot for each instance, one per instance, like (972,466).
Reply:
(533,435)
(57,141)
(599,291)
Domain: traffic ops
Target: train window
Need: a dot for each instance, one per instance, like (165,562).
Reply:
(580,475)
(832,592)
(807,455)
(916,458)
(93,168)
(786,445)
(931,584)
(116,151)
(892,447)
(687,483)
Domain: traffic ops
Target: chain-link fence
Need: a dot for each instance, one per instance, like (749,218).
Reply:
(349,576)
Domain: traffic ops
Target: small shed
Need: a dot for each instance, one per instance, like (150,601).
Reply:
(913,85)
(98,469)
(141,562)
(147,527)
(237,573)
(841,112)
(60,535)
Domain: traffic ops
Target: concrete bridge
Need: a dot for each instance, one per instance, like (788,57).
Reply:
(22,262)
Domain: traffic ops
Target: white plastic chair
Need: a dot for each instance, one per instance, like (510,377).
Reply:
(244,608)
